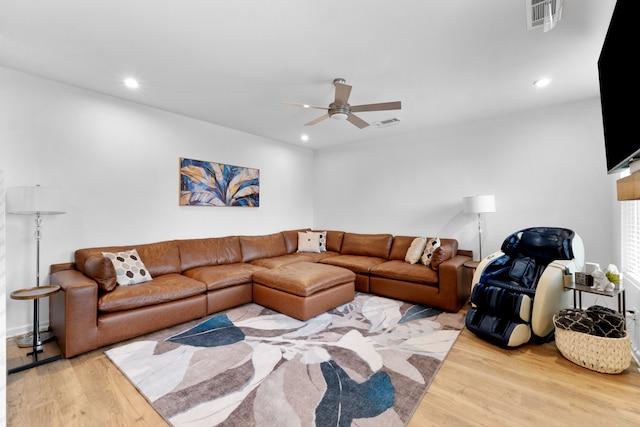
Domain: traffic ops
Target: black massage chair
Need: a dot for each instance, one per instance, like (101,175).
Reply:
(517,290)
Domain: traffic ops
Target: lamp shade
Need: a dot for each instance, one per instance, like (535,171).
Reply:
(33,200)
(479,204)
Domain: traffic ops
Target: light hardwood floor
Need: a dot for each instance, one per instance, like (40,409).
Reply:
(478,385)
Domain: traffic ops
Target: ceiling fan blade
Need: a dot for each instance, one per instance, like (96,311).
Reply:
(297,104)
(318,120)
(352,118)
(342,93)
(397,105)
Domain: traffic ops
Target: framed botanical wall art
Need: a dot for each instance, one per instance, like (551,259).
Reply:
(215,184)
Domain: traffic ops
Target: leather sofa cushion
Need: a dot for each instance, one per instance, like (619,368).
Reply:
(212,251)
(223,276)
(303,278)
(334,240)
(319,256)
(400,246)
(443,253)
(356,263)
(159,258)
(101,269)
(267,246)
(163,288)
(401,270)
(279,261)
(372,245)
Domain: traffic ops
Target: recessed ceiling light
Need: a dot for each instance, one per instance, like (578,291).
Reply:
(304,137)
(542,82)
(131,83)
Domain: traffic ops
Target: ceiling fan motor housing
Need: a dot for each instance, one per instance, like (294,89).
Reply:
(339,112)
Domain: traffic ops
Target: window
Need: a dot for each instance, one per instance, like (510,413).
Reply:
(631,240)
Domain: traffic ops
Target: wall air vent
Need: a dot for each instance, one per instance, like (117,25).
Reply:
(388,122)
(543,13)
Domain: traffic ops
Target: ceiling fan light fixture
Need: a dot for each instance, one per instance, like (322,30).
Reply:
(131,83)
(339,116)
(540,83)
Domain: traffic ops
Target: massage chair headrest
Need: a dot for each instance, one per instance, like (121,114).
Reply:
(541,243)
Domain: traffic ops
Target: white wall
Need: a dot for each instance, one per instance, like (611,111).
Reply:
(3,298)
(117,163)
(546,168)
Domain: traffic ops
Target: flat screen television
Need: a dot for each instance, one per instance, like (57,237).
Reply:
(619,86)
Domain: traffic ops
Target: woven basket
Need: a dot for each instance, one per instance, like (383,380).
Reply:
(606,355)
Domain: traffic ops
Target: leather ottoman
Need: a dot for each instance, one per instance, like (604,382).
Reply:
(303,289)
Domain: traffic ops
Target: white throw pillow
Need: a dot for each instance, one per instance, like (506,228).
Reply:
(130,270)
(432,245)
(308,242)
(416,250)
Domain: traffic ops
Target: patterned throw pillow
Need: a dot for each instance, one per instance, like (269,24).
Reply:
(308,242)
(415,250)
(130,269)
(432,245)
(322,235)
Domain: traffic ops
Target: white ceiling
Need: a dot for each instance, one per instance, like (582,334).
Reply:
(233,62)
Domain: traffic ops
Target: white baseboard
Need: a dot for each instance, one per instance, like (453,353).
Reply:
(25,329)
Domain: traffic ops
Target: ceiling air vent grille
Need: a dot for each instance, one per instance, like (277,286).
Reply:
(543,13)
(388,122)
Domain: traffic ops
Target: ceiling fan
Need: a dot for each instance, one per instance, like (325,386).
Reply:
(340,109)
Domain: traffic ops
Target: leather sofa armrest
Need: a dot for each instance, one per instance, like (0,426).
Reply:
(454,282)
(73,312)
(64,266)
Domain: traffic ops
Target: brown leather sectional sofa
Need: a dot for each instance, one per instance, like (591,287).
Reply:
(197,277)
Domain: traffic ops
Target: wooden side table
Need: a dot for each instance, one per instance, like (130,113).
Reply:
(579,289)
(35,294)
(472,265)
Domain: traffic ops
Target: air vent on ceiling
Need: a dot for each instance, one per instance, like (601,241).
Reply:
(388,122)
(543,13)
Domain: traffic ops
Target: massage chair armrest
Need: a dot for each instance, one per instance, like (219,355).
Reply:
(484,263)
(550,296)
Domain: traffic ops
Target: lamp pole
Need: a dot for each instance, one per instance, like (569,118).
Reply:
(38,201)
(479,205)
(479,236)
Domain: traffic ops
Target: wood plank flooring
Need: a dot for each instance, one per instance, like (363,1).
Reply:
(478,385)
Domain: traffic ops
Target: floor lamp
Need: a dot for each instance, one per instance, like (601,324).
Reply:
(37,201)
(479,205)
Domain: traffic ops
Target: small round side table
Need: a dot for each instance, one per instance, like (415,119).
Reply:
(35,294)
(472,264)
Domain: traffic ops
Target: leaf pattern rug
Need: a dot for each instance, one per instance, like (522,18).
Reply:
(365,363)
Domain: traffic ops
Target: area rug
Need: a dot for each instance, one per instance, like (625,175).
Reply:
(365,363)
